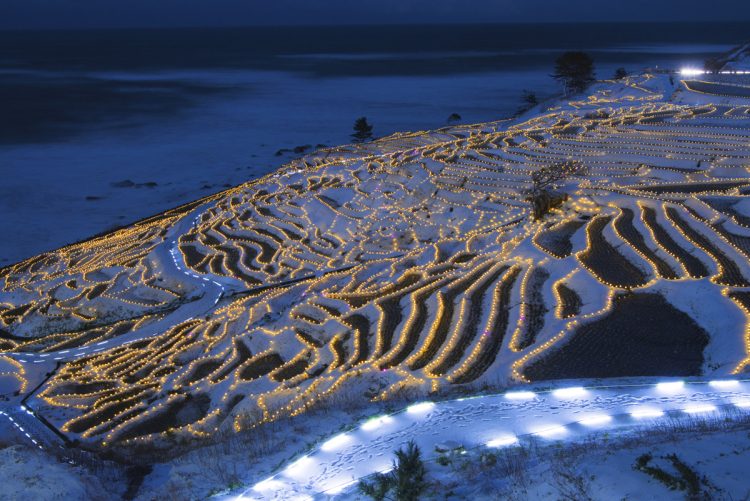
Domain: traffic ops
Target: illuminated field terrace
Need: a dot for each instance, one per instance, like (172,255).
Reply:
(409,264)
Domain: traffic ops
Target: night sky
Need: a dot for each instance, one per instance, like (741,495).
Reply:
(24,14)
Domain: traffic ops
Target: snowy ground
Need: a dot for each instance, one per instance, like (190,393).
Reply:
(26,473)
(602,466)
(564,413)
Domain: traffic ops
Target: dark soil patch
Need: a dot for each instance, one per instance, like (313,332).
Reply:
(570,301)
(730,271)
(260,366)
(496,333)
(472,325)
(644,335)
(535,308)
(174,415)
(556,241)
(361,326)
(291,370)
(692,264)
(444,319)
(606,262)
(203,369)
(624,225)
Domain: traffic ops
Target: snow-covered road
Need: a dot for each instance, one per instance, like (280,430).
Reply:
(493,421)
(17,417)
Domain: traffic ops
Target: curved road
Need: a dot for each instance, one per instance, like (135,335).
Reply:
(492,421)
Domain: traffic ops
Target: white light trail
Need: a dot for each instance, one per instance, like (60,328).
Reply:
(724,384)
(670,386)
(644,413)
(336,442)
(572,392)
(596,420)
(421,407)
(520,395)
(269,484)
(375,423)
(554,431)
(300,469)
(699,409)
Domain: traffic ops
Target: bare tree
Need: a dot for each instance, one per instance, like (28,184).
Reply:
(545,179)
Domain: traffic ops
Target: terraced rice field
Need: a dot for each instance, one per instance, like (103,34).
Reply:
(410,263)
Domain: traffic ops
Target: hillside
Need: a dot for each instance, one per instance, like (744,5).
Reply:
(405,266)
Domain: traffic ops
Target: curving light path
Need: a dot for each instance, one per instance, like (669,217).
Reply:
(492,421)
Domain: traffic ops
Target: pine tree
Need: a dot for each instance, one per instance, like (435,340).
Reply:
(406,480)
(379,487)
(362,130)
(713,65)
(409,473)
(620,73)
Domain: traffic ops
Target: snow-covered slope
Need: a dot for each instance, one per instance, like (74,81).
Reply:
(401,267)
(31,474)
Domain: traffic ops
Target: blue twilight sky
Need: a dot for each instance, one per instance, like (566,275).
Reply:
(23,14)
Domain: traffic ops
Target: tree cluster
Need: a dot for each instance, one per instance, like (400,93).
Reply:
(575,70)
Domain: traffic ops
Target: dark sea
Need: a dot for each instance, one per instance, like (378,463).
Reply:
(100,128)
